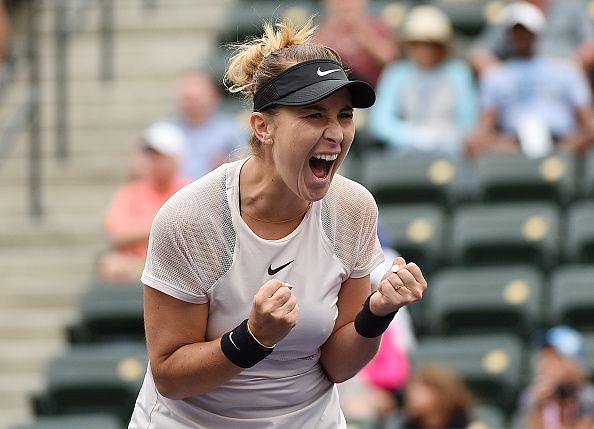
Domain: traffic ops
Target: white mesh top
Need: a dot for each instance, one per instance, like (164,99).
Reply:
(200,250)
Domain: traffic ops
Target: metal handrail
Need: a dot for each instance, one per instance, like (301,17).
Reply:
(69,20)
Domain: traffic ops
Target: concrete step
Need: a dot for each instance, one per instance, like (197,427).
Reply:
(11,416)
(26,233)
(59,294)
(34,322)
(15,388)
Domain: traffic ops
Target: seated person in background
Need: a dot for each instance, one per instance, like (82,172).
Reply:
(364,43)
(569,35)
(427,102)
(559,395)
(210,135)
(4,32)
(532,102)
(436,398)
(131,211)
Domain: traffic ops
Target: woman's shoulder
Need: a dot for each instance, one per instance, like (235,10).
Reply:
(346,194)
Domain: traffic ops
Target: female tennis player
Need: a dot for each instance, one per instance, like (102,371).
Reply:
(257,290)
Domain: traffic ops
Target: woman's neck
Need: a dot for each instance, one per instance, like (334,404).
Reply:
(264,197)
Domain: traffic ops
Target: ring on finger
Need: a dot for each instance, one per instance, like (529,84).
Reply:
(398,287)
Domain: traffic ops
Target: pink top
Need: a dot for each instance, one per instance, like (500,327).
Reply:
(135,205)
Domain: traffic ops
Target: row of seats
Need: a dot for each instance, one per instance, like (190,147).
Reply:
(491,234)
(396,178)
(95,378)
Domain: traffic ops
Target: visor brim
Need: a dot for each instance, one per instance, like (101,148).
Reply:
(362,94)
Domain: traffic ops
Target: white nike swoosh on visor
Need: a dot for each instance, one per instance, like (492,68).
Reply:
(324,73)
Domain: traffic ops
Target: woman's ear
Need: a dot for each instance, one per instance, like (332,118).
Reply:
(260,126)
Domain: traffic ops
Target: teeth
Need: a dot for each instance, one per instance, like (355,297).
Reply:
(327,157)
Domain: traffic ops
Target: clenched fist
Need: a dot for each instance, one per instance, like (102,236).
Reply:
(274,312)
(400,286)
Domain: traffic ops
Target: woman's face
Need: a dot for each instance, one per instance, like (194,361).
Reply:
(310,142)
(426,54)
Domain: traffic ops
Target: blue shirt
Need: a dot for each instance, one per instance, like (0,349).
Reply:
(548,88)
(209,143)
(420,109)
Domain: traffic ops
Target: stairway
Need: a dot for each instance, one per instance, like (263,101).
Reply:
(45,264)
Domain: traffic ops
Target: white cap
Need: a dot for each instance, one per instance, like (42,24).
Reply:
(525,14)
(427,24)
(165,138)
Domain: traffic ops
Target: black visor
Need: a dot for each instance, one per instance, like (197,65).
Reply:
(309,82)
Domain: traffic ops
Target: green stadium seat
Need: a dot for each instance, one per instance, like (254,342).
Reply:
(507,177)
(588,177)
(496,234)
(110,312)
(98,378)
(572,297)
(468,16)
(416,231)
(86,421)
(404,179)
(487,417)
(589,346)
(485,300)
(580,233)
(246,21)
(491,365)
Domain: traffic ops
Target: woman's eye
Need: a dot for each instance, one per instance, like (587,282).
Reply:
(347,115)
(314,115)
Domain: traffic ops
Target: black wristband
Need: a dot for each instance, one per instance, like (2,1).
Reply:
(241,348)
(369,325)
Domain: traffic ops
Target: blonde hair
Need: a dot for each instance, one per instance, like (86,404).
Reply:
(281,46)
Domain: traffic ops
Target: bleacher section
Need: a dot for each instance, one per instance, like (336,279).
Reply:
(507,244)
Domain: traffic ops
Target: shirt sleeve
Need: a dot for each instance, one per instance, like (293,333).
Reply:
(170,265)
(370,253)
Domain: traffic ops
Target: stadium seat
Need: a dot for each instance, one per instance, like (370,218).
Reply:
(416,232)
(589,346)
(491,365)
(102,378)
(108,313)
(572,297)
(496,234)
(580,232)
(86,421)
(402,179)
(487,417)
(246,21)
(485,300)
(507,177)
(588,177)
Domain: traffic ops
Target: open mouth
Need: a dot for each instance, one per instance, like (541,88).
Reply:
(322,164)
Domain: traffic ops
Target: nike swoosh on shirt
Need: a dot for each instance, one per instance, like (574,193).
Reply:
(273,271)
(325,72)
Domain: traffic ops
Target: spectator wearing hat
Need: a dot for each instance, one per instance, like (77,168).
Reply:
(427,102)
(210,135)
(365,43)
(569,34)
(132,209)
(560,395)
(532,102)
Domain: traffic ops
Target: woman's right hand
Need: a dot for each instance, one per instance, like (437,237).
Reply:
(274,312)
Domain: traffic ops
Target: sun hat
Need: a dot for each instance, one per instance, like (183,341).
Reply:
(165,138)
(309,82)
(427,24)
(566,341)
(525,14)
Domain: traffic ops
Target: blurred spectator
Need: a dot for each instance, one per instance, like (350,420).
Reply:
(427,102)
(436,398)
(374,391)
(210,135)
(4,32)
(569,34)
(531,101)
(560,395)
(131,212)
(364,43)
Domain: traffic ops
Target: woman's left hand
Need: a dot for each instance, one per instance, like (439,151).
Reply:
(399,288)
